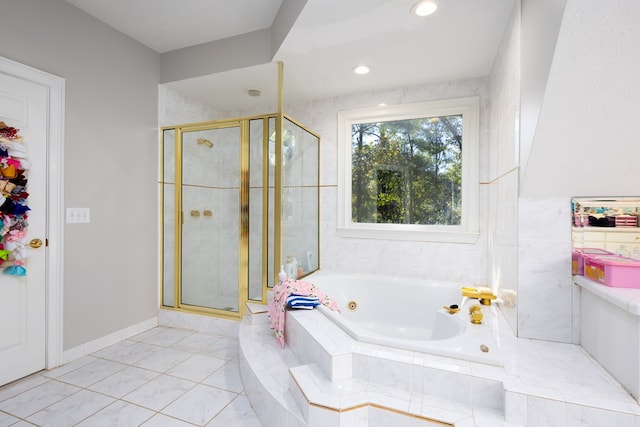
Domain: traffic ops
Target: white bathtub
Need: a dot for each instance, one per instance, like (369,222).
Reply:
(407,314)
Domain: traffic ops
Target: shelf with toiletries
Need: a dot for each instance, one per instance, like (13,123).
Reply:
(609,223)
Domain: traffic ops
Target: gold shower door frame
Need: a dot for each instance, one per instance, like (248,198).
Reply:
(243,232)
(269,244)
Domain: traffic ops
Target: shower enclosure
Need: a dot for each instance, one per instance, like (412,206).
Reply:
(239,199)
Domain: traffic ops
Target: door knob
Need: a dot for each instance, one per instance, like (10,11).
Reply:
(35,243)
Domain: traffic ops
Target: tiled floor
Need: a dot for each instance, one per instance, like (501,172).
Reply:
(163,377)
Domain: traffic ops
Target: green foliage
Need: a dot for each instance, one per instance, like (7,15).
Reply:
(407,171)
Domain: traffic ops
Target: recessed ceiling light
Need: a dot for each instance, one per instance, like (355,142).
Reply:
(362,69)
(424,8)
(254,92)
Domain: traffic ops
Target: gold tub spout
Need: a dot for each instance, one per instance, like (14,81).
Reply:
(484,294)
(475,312)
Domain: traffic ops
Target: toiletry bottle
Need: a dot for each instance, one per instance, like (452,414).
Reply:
(623,251)
(287,267)
(294,266)
(282,276)
(300,272)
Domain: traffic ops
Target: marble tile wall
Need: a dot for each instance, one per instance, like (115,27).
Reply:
(502,182)
(545,289)
(208,239)
(529,239)
(462,262)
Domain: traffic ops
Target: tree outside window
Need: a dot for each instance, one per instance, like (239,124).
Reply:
(407,171)
(410,171)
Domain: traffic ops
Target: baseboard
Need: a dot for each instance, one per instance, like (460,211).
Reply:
(107,340)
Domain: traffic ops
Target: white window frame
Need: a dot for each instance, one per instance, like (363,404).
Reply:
(468,230)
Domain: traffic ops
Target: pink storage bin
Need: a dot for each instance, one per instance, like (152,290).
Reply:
(613,270)
(577,258)
(626,221)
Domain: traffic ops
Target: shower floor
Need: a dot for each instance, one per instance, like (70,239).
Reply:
(220,302)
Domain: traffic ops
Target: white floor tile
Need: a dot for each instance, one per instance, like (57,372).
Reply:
(196,368)
(123,382)
(227,377)
(118,414)
(133,353)
(112,349)
(161,420)
(196,342)
(237,414)
(7,420)
(159,392)
(128,383)
(200,404)
(167,336)
(148,333)
(224,348)
(164,359)
(92,372)
(35,399)
(68,367)
(17,387)
(71,410)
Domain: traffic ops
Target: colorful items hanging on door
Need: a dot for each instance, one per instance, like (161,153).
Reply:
(13,201)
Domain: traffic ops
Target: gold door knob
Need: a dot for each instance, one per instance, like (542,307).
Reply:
(35,243)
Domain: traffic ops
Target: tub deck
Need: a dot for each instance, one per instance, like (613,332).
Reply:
(540,384)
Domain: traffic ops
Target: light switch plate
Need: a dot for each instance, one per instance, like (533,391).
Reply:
(78,215)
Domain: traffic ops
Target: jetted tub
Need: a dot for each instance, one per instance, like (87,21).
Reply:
(408,314)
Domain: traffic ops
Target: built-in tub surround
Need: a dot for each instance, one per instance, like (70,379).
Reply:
(407,314)
(323,377)
(610,330)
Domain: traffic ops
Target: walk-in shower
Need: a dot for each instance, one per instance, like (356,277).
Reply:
(238,200)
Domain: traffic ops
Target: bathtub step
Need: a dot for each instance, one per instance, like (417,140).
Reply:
(264,368)
(353,402)
(256,313)
(287,387)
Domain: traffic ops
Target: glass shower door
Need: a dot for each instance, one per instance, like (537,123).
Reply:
(211,215)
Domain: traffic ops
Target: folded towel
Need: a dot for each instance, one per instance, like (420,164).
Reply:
(278,303)
(300,301)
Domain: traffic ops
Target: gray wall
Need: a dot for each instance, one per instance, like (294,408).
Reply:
(110,163)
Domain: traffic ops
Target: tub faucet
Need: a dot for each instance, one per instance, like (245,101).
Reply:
(484,294)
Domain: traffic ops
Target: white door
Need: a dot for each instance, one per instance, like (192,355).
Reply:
(23,304)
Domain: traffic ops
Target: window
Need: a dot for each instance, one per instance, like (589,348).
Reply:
(410,171)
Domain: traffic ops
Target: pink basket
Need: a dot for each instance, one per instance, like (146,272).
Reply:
(578,255)
(613,270)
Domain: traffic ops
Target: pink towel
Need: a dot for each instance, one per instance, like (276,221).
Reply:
(281,292)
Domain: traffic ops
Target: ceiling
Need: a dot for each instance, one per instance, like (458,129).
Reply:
(326,41)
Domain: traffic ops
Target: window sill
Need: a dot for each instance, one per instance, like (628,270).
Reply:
(444,236)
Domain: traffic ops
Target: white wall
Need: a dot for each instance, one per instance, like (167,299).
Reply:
(110,160)
(540,25)
(588,126)
(584,145)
